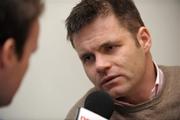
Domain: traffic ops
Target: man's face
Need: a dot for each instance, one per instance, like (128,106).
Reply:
(110,56)
(14,73)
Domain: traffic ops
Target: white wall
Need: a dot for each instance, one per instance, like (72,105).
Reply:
(56,79)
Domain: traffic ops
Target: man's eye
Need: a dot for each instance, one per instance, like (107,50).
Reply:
(110,48)
(87,58)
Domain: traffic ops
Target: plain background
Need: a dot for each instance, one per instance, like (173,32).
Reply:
(56,80)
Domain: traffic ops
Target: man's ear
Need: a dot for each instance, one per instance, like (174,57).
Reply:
(7,53)
(144,38)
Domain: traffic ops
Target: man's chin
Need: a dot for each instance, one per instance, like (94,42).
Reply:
(112,92)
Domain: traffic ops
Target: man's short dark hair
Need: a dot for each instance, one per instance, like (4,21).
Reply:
(16,18)
(88,10)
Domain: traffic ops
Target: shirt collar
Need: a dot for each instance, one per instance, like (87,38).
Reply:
(159,81)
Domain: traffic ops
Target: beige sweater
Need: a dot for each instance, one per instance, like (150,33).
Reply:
(166,106)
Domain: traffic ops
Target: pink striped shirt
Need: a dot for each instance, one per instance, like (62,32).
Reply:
(159,82)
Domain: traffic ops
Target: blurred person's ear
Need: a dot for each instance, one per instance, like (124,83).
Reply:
(7,53)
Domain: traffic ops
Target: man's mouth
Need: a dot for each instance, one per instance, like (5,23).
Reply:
(108,80)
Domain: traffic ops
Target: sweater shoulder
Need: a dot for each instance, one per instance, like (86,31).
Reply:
(173,69)
(171,72)
(172,81)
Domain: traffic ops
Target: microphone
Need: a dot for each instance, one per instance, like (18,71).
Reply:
(98,106)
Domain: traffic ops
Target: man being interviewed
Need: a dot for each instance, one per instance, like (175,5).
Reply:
(114,46)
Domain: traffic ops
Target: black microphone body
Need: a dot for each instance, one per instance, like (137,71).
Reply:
(98,105)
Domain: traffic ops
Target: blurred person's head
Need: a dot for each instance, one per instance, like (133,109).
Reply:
(19,29)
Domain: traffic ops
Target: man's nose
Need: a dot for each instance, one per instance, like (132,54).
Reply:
(102,64)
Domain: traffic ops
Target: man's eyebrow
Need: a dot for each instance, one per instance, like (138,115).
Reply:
(107,43)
